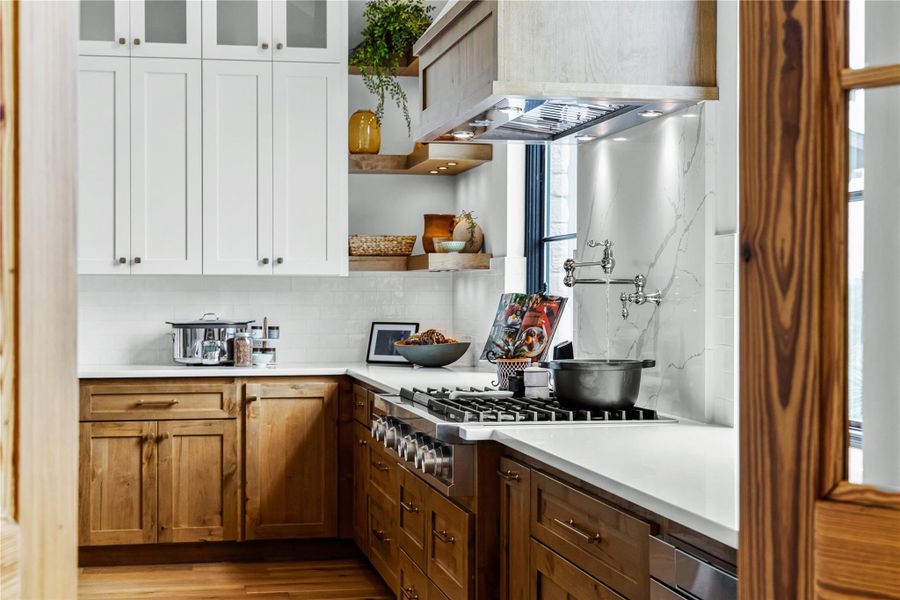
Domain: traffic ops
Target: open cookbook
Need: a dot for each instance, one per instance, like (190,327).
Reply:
(523,326)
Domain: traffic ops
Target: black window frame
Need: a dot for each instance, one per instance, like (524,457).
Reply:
(537,196)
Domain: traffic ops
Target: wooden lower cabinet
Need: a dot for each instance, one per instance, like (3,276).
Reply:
(411,532)
(360,486)
(198,481)
(515,537)
(291,459)
(554,578)
(382,549)
(117,483)
(413,583)
(448,535)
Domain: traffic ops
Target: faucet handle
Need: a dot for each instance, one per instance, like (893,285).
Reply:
(569,266)
(605,243)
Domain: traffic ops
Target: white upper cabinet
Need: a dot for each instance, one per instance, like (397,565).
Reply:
(165,28)
(104,218)
(237,167)
(104,28)
(166,192)
(310,169)
(309,30)
(237,29)
(145,28)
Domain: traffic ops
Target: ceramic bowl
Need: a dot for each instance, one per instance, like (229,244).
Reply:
(435,355)
(439,244)
(452,246)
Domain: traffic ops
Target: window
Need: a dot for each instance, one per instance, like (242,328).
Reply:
(551,218)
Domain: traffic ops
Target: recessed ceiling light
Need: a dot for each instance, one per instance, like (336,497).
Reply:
(442,168)
(620,139)
(433,172)
(462,134)
(451,164)
(650,113)
(510,110)
(585,138)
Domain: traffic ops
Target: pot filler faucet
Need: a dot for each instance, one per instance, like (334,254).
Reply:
(608,263)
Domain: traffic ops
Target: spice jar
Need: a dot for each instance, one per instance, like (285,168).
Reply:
(243,350)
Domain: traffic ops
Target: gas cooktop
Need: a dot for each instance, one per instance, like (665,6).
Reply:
(490,406)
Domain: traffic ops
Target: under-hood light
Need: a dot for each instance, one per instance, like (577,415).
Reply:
(463,135)
(620,139)
(651,114)
(481,123)
(585,138)
(510,110)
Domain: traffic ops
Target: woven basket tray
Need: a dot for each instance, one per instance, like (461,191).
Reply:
(382,245)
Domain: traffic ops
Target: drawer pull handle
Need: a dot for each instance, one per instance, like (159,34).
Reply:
(171,402)
(444,536)
(590,538)
(409,593)
(409,507)
(380,466)
(380,536)
(359,404)
(508,475)
(362,442)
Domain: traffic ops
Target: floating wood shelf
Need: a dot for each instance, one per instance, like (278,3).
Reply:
(428,159)
(422,262)
(410,70)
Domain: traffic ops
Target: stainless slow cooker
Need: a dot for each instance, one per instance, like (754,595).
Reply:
(604,384)
(207,341)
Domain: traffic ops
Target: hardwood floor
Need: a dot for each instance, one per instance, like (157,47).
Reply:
(350,579)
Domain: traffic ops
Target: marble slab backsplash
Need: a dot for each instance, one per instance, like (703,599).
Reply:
(649,194)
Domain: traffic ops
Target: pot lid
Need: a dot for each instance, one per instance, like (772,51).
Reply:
(597,365)
(208,320)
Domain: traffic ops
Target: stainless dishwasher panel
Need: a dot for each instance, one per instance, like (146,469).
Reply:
(686,576)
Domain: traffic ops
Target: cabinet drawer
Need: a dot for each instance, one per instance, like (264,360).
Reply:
(607,543)
(383,471)
(553,577)
(152,400)
(414,583)
(361,405)
(382,540)
(411,520)
(448,535)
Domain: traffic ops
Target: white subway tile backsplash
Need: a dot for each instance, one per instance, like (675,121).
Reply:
(122,320)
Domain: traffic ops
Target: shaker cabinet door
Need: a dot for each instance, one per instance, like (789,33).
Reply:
(166,193)
(310,169)
(515,538)
(104,194)
(103,28)
(291,460)
(309,30)
(237,29)
(237,167)
(165,28)
(360,486)
(198,481)
(117,483)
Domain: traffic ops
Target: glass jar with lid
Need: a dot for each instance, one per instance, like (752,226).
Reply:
(243,349)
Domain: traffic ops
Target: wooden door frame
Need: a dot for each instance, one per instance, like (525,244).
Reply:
(804,531)
(39,378)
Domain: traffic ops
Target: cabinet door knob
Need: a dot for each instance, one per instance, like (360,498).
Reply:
(162,436)
(265,261)
(137,260)
(148,437)
(122,260)
(279,261)
(279,46)
(363,442)
(264,46)
(137,41)
(122,41)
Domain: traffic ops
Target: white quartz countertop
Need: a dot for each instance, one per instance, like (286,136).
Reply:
(388,378)
(685,471)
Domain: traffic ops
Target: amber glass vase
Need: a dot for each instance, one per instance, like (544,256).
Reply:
(364,133)
(436,226)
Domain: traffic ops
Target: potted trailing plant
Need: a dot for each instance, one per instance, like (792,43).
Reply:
(391,28)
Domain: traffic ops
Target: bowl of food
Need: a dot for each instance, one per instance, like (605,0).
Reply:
(431,348)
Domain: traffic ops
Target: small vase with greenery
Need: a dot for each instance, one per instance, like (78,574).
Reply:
(391,28)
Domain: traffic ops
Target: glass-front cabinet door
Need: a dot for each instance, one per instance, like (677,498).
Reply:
(309,30)
(237,29)
(103,28)
(165,28)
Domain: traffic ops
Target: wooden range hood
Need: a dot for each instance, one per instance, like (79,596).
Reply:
(544,70)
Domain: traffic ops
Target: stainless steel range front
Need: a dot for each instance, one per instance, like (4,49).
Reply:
(423,426)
